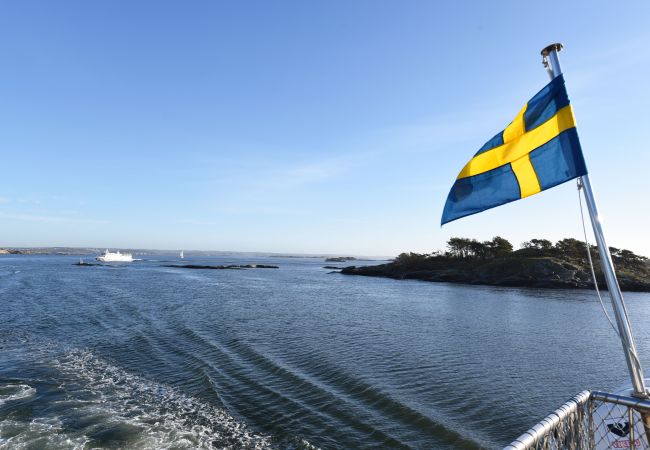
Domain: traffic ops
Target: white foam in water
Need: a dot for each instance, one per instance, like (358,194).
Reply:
(39,433)
(147,415)
(87,402)
(10,392)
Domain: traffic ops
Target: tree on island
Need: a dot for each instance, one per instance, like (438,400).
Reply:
(472,249)
(627,257)
(498,247)
(571,247)
(460,247)
(538,244)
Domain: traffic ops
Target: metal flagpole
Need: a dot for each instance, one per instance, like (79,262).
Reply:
(552,63)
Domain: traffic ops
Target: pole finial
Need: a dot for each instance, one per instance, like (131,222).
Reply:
(558,46)
(552,67)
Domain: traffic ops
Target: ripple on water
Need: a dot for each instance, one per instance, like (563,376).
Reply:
(105,406)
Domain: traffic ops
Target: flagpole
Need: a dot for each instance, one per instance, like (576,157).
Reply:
(552,64)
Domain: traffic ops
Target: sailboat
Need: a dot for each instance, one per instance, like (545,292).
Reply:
(182,254)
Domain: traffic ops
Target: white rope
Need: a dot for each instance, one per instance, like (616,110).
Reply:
(591,262)
(593,275)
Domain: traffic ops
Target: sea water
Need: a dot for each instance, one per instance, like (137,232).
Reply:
(144,356)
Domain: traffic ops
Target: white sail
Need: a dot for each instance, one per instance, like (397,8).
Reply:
(182,254)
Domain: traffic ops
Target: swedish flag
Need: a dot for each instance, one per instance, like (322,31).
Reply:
(538,150)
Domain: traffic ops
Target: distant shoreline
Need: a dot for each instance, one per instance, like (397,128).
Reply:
(86,251)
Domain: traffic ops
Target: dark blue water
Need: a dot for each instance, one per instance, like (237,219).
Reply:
(144,356)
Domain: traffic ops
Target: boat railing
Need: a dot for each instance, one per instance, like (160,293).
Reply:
(590,421)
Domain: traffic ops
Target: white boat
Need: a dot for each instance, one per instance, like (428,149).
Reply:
(182,254)
(115,257)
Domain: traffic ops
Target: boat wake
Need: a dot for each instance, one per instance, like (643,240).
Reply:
(94,403)
(9,392)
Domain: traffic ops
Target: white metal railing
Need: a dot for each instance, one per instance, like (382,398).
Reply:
(590,421)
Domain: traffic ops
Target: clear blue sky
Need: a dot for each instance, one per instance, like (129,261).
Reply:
(300,126)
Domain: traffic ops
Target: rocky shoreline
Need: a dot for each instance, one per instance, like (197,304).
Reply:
(514,271)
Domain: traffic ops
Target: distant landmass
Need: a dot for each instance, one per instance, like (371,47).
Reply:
(539,263)
(340,259)
(82,251)
(49,251)
(135,251)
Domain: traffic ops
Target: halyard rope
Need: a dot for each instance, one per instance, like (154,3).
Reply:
(591,262)
(593,276)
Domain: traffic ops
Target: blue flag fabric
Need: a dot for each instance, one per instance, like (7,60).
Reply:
(538,150)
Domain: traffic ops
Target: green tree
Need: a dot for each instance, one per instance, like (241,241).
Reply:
(409,259)
(499,247)
(459,247)
(538,244)
(480,250)
(629,258)
(571,247)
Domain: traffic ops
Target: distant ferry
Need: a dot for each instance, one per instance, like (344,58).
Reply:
(115,257)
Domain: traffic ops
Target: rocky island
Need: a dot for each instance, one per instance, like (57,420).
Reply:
(340,259)
(539,263)
(227,267)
